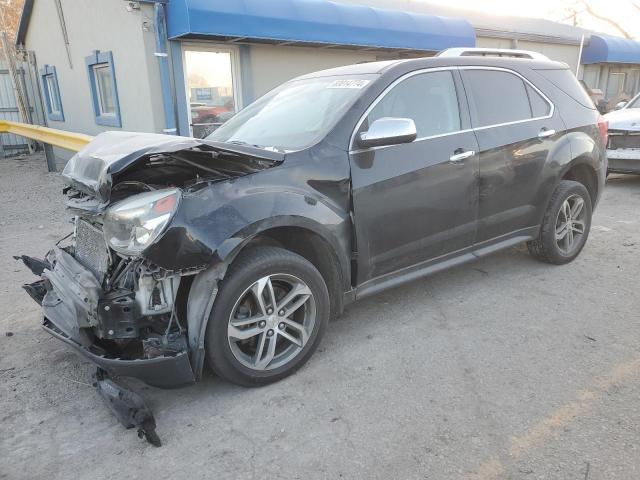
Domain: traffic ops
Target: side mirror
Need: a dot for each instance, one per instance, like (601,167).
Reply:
(388,131)
(620,105)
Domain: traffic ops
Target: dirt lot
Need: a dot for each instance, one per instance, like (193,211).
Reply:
(504,368)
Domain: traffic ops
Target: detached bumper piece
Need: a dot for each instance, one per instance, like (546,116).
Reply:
(36,265)
(73,302)
(162,372)
(100,326)
(128,407)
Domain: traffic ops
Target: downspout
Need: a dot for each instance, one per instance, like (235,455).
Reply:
(580,57)
(163,65)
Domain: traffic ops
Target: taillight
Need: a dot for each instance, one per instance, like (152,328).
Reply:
(603,126)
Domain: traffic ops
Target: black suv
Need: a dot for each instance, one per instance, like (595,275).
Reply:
(240,247)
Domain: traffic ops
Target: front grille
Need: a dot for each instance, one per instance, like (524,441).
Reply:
(91,249)
(628,140)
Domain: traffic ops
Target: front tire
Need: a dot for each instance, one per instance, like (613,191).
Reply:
(565,226)
(268,318)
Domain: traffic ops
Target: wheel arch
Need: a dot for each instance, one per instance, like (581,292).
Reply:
(585,163)
(301,235)
(582,172)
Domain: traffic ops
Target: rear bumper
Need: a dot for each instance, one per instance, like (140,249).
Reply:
(624,160)
(70,314)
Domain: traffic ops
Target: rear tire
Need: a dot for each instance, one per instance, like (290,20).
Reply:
(566,224)
(249,340)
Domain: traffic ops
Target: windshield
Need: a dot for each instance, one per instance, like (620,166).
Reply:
(295,115)
(635,102)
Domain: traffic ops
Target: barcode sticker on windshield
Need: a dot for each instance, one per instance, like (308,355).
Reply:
(348,84)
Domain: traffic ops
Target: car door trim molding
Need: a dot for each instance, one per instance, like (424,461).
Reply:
(466,130)
(546,99)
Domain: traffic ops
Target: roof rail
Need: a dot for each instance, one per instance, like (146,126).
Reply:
(491,52)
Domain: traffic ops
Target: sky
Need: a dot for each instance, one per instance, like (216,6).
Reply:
(625,12)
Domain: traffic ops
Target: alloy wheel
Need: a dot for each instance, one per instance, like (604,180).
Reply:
(570,224)
(271,322)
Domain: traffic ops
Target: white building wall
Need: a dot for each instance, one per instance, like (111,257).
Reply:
(130,38)
(559,52)
(488,42)
(555,51)
(272,65)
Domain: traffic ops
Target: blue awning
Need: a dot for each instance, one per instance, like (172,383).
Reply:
(316,22)
(606,49)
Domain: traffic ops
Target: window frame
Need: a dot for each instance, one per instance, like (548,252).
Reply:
(463,96)
(621,85)
(456,92)
(98,58)
(459,94)
(48,73)
(472,105)
(527,89)
(236,72)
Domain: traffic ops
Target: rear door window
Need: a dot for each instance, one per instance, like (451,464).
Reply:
(498,97)
(429,99)
(539,106)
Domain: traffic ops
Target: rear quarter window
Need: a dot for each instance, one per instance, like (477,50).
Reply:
(566,81)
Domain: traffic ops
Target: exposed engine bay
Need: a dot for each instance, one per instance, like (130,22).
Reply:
(99,290)
(184,169)
(135,313)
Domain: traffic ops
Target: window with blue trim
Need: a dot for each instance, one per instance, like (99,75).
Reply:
(104,92)
(51,91)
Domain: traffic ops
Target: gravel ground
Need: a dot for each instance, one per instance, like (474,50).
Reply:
(503,368)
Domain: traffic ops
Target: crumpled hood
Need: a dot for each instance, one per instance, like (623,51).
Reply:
(625,119)
(91,169)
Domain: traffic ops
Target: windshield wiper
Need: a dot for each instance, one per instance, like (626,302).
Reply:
(240,142)
(262,147)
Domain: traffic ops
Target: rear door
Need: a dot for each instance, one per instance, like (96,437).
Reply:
(413,202)
(517,128)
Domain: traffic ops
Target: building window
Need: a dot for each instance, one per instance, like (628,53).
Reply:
(51,92)
(615,86)
(212,82)
(104,93)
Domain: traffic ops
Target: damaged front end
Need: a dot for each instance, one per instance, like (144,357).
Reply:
(99,291)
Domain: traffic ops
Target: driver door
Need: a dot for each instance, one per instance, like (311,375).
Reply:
(415,203)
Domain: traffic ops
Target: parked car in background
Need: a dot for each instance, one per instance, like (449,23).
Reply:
(237,249)
(623,149)
(211,113)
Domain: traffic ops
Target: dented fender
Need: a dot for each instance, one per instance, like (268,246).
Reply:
(214,222)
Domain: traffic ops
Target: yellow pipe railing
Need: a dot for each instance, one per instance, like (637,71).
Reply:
(57,138)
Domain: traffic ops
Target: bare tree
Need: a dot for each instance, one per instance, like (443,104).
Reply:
(10,11)
(589,9)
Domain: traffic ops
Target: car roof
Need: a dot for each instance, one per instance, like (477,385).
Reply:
(433,62)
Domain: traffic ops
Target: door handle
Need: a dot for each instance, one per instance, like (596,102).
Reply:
(460,157)
(544,133)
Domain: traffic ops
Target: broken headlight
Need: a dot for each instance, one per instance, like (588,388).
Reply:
(133,224)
